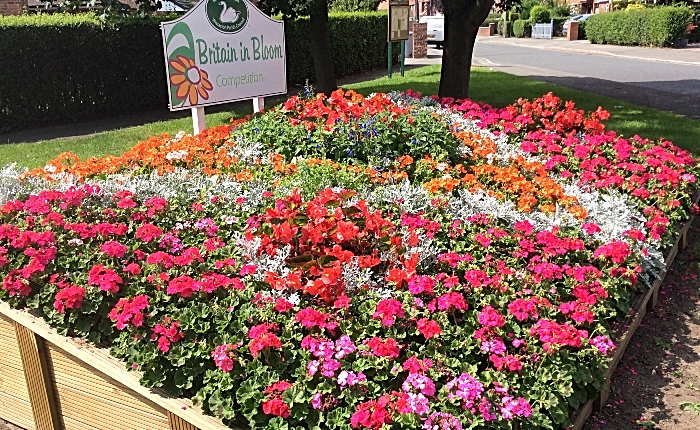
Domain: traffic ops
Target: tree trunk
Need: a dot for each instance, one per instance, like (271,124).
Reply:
(462,21)
(321,47)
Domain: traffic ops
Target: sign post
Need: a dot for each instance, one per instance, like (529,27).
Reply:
(223,51)
(399,11)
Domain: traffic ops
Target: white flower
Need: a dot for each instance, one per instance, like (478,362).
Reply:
(177,155)
(75,242)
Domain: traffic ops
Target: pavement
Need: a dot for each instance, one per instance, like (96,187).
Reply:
(687,56)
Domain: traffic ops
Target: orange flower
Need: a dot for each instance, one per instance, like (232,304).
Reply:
(190,80)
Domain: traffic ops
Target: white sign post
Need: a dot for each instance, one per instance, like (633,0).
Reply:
(223,51)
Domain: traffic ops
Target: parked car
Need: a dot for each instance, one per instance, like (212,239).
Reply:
(579,18)
(436,29)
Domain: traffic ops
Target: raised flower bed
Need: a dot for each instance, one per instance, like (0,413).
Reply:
(348,262)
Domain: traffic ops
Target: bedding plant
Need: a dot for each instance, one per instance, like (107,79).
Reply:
(344,262)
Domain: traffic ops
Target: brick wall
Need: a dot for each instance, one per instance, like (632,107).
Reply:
(420,40)
(12,7)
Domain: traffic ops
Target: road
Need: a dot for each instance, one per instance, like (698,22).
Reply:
(660,85)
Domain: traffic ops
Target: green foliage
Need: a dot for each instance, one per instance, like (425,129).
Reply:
(558,8)
(372,138)
(513,16)
(647,27)
(521,28)
(353,5)
(526,6)
(507,28)
(358,44)
(539,15)
(67,68)
(582,30)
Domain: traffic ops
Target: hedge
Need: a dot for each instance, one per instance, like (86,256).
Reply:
(522,28)
(67,68)
(539,15)
(659,26)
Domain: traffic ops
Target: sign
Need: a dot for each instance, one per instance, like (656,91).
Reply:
(223,51)
(399,11)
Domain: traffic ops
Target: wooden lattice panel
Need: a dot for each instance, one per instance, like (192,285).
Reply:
(14,397)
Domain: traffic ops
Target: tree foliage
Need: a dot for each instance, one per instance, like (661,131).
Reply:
(353,5)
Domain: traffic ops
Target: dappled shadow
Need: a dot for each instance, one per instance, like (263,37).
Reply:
(662,361)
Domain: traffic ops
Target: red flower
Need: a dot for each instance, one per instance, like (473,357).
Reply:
(372,414)
(388,310)
(129,311)
(166,332)
(183,285)
(148,232)
(70,297)
(276,407)
(114,249)
(310,317)
(262,338)
(105,278)
(388,348)
(489,317)
(428,328)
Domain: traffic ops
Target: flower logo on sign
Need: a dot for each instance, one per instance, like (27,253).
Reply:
(188,82)
(191,81)
(227,16)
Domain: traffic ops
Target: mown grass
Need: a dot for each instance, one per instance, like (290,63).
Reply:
(495,88)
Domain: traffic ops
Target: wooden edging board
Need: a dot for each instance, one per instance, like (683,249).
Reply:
(645,302)
(180,411)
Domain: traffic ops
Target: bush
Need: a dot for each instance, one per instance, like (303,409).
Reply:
(539,15)
(506,28)
(582,30)
(67,68)
(521,28)
(513,16)
(526,6)
(648,27)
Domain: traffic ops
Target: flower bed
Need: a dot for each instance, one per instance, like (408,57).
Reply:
(348,262)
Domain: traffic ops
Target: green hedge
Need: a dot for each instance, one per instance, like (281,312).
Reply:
(659,26)
(539,15)
(67,68)
(522,28)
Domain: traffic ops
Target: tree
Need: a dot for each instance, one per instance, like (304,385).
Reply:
(462,21)
(353,5)
(317,10)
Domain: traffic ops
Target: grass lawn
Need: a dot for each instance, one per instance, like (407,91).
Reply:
(495,88)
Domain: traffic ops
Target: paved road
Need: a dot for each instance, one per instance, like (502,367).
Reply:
(661,85)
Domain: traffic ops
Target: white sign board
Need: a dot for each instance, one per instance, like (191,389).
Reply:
(223,51)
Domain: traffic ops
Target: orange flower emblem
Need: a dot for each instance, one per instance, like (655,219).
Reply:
(191,81)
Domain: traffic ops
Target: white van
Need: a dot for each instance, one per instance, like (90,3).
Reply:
(436,29)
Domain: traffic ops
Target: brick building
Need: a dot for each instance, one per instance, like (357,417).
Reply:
(12,7)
